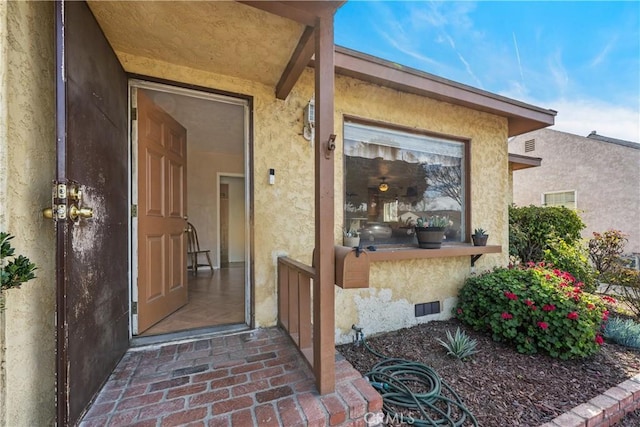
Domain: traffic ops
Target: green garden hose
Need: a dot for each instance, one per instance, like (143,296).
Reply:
(420,391)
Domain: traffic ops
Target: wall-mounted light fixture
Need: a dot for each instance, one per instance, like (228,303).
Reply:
(309,120)
(383,186)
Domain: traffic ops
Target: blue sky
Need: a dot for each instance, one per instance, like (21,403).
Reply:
(581,59)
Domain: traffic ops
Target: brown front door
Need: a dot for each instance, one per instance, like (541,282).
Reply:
(162,220)
(92,290)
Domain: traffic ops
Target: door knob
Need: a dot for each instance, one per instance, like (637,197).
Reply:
(47,213)
(76,212)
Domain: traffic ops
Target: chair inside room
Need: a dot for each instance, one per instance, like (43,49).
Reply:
(194,253)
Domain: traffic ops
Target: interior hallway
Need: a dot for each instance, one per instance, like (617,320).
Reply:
(214,300)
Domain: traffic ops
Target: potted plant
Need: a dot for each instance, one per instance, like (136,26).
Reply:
(479,237)
(430,231)
(15,272)
(351,237)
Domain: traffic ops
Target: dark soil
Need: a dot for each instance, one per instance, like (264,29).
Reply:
(498,385)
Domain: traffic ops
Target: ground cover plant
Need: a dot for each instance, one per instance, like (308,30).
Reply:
(536,309)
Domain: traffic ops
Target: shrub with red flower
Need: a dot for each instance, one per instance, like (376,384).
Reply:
(511,295)
(504,303)
(543,325)
(599,340)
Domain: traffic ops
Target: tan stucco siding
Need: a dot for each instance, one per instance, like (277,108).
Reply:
(284,216)
(395,287)
(605,177)
(27,163)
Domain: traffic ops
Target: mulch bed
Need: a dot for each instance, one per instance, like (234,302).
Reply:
(498,385)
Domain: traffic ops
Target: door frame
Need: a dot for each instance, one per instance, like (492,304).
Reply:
(248,296)
(159,85)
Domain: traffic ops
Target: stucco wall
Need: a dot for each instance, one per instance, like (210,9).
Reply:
(395,287)
(27,163)
(283,221)
(605,177)
(202,175)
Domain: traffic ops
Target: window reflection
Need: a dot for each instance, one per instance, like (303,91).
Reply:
(394,177)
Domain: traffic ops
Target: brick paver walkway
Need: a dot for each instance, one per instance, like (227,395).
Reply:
(252,378)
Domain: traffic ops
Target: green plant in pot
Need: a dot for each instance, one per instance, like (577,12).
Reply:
(15,271)
(350,237)
(479,237)
(430,231)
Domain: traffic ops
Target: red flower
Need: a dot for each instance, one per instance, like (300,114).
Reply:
(459,311)
(548,307)
(609,299)
(531,264)
(548,277)
(543,325)
(573,315)
(591,306)
(599,340)
(605,315)
(507,316)
(511,295)
(528,302)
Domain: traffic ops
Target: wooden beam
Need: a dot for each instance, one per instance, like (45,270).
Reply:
(299,60)
(323,292)
(304,12)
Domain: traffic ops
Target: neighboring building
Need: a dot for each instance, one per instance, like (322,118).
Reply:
(596,175)
(238,78)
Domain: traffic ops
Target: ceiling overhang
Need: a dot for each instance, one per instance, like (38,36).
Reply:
(519,161)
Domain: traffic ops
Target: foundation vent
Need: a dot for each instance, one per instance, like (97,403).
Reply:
(426,308)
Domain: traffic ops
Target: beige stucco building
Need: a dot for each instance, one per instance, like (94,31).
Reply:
(253,47)
(597,175)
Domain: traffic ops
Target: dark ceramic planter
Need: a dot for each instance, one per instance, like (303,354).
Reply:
(430,237)
(480,240)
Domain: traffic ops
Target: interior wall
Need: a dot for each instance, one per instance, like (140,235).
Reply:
(236,218)
(27,168)
(203,168)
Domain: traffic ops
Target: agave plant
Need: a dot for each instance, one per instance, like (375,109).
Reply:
(459,345)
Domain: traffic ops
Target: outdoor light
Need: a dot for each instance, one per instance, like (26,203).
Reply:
(383,186)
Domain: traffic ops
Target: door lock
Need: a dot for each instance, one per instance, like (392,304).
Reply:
(65,199)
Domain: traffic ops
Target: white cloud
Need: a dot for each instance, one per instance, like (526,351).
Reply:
(580,117)
(600,57)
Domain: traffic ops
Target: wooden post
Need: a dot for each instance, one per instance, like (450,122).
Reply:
(323,292)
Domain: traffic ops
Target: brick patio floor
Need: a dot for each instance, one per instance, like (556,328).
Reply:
(251,378)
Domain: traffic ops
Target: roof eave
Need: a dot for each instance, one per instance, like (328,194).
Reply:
(522,117)
(519,161)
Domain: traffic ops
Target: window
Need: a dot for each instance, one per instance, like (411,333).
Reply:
(529,145)
(392,177)
(560,198)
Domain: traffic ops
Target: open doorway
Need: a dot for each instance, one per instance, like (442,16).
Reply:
(215,150)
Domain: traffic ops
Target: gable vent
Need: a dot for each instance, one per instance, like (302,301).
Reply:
(529,145)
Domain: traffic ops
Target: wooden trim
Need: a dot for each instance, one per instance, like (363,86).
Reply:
(446,251)
(298,62)
(323,292)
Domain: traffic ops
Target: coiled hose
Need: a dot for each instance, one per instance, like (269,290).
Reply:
(420,390)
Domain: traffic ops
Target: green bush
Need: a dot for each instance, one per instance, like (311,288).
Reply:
(536,309)
(14,270)
(605,251)
(532,227)
(628,281)
(623,331)
(573,259)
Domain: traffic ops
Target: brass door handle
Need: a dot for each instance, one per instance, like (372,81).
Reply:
(47,213)
(75,212)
